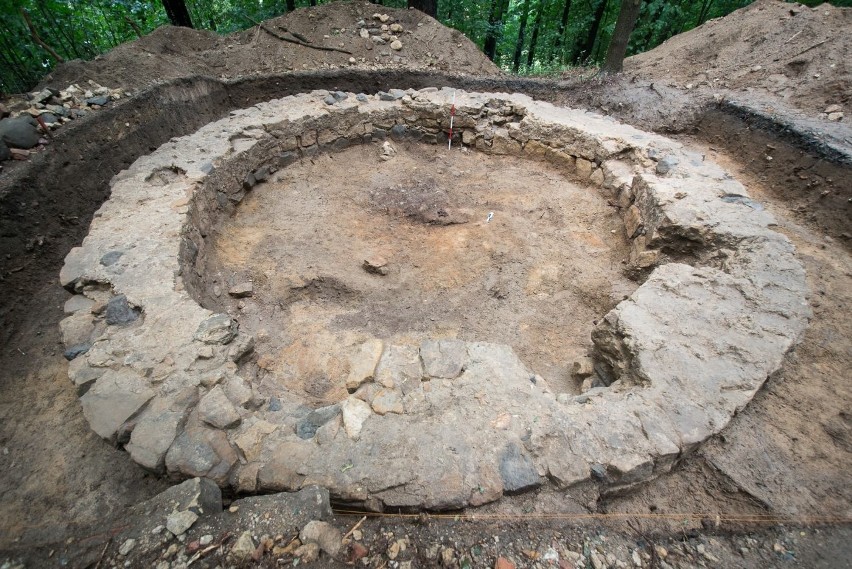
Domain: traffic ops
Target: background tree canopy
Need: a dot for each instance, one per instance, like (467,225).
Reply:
(522,36)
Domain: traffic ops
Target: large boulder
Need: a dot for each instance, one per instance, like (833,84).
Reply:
(19,132)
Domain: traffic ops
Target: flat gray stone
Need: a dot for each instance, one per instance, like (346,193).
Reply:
(119,311)
(114,398)
(517,470)
(306,428)
(443,358)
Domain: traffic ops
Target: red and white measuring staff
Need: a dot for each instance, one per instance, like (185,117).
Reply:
(452,116)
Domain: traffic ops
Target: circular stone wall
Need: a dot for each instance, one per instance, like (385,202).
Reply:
(442,422)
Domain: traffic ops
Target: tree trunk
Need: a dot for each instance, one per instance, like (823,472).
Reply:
(428,7)
(705,8)
(582,51)
(177,13)
(519,47)
(495,25)
(291,5)
(534,37)
(560,32)
(627,17)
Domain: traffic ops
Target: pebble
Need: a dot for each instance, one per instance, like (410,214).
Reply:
(205,540)
(127,547)
(179,522)
(244,547)
(308,553)
(396,45)
(503,563)
(448,557)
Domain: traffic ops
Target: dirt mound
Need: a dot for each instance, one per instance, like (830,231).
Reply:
(169,52)
(788,51)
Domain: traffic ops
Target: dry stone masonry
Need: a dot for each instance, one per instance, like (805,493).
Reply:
(446,423)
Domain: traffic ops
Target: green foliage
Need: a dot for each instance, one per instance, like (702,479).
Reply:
(82,29)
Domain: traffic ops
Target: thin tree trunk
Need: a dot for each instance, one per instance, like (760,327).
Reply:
(291,5)
(705,8)
(519,47)
(582,51)
(627,17)
(534,37)
(108,22)
(62,38)
(429,7)
(495,27)
(38,39)
(177,13)
(560,32)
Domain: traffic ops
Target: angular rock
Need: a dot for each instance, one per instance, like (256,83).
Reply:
(584,168)
(100,100)
(216,409)
(75,351)
(387,401)
(444,359)
(77,329)
(115,397)
(323,534)
(400,366)
(19,132)
(179,522)
(78,303)
(362,364)
(375,264)
(633,224)
(243,548)
(119,311)
(242,290)
(355,412)
(216,329)
(306,428)
(127,547)
(517,470)
(157,428)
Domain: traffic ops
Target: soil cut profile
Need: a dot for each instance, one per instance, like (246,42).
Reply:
(426,243)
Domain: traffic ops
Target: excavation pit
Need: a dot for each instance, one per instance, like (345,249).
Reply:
(360,246)
(264,282)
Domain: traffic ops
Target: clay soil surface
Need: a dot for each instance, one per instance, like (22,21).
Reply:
(477,247)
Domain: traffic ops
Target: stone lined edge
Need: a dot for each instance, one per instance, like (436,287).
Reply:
(157,373)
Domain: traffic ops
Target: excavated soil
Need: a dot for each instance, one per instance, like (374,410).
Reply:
(535,275)
(171,52)
(773,51)
(787,453)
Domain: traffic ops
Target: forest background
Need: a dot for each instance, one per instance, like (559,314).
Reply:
(527,37)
